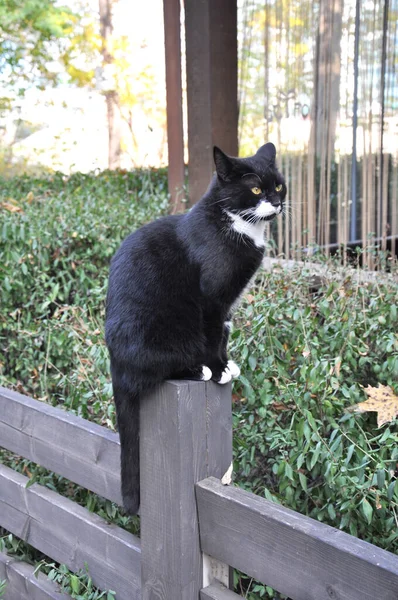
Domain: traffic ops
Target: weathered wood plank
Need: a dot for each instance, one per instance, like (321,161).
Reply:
(81,451)
(292,553)
(217,591)
(175,430)
(22,584)
(70,534)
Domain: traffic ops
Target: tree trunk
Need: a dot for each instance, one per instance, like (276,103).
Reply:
(111,95)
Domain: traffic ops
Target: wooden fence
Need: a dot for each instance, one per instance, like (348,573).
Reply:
(192,526)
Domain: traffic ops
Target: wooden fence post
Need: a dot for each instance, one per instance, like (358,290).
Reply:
(185,436)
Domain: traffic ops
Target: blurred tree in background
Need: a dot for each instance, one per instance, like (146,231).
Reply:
(59,47)
(38,38)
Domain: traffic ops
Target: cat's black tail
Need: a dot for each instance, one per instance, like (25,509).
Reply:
(128,419)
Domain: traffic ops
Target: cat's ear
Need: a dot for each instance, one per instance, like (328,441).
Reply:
(268,151)
(224,164)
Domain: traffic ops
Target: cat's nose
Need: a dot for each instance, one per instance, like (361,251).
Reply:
(275,202)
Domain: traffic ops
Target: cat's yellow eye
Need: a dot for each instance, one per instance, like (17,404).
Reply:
(278,188)
(256,190)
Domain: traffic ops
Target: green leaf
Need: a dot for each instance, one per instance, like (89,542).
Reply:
(315,456)
(303,481)
(289,471)
(311,421)
(350,452)
(331,512)
(390,490)
(396,488)
(381,478)
(252,361)
(393,312)
(75,584)
(31,481)
(367,510)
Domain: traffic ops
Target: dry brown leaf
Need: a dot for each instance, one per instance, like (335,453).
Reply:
(11,206)
(279,406)
(249,298)
(381,400)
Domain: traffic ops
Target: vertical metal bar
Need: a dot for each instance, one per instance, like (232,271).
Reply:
(266,70)
(354,130)
(381,208)
(175,129)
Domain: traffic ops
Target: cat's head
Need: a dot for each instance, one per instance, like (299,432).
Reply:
(252,188)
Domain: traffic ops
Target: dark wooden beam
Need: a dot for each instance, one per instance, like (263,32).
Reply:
(70,534)
(185,432)
(212,67)
(216,591)
(24,584)
(295,555)
(175,131)
(79,450)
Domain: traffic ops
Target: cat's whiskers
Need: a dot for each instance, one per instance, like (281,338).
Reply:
(247,211)
(222,200)
(287,214)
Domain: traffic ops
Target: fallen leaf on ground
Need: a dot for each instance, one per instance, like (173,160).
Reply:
(11,206)
(381,400)
(279,406)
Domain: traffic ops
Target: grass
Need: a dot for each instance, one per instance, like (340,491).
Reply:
(305,353)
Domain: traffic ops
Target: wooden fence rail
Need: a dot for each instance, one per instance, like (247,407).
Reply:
(294,554)
(193,528)
(23,584)
(86,454)
(79,450)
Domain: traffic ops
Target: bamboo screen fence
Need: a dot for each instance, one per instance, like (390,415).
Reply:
(319,79)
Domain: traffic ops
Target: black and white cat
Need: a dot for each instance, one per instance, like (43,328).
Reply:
(172,286)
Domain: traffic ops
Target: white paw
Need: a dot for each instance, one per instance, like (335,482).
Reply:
(206,373)
(225,376)
(234,369)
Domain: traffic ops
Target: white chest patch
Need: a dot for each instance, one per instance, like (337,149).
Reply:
(255,231)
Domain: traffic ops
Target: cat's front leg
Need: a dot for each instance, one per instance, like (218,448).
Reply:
(232,366)
(216,345)
(200,373)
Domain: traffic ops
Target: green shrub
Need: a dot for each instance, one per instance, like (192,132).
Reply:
(57,235)
(305,358)
(305,354)
(54,256)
